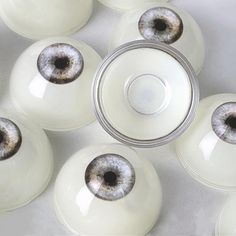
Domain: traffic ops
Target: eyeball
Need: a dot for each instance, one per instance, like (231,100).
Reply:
(226,225)
(42,19)
(51,83)
(108,190)
(122,5)
(208,149)
(162,22)
(145,94)
(26,161)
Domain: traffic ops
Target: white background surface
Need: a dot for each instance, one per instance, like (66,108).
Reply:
(189,209)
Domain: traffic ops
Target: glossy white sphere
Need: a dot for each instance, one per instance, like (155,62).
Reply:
(142,23)
(51,83)
(122,5)
(226,225)
(208,149)
(26,161)
(40,19)
(133,212)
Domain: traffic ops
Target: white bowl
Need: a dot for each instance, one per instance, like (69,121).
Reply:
(51,83)
(162,22)
(226,225)
(26,161)
(145,94)
(41,19)
(208,149)
(108,190)
(124,5)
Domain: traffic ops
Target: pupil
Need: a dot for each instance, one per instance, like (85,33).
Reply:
(110,178)
(160,24)
(62,63)
(1,137)
(231,121)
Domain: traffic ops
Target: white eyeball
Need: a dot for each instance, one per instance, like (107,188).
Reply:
(26,161)
(226,225)
(145,94)
(51,83)
(41,19)
(108,190)
(162,22)
(122,5)
(208,149)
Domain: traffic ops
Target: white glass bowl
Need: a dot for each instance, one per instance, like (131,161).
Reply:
(26,161)
(162,22)
(145,94)
(208,149)
(226,225)
(41,19)
(122,5)
(51,83)
(108,190)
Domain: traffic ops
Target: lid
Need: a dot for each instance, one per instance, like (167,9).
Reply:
(145,94)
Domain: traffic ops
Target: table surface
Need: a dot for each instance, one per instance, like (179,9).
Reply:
(189,209)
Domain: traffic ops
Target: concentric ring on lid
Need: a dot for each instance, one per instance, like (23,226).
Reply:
(145,94)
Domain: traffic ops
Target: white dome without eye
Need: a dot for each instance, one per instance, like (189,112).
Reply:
(208,149)
(51,83)
(162,22)
(145,94)
(41,19)
(26,161)
(123,5)
(226,225)
(108,190)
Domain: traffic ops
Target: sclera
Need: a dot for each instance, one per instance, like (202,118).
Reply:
(26,173)
(123,5)
(41,19)
(128,29)
(58,107)
(226,225)
(204,150)
(133,214)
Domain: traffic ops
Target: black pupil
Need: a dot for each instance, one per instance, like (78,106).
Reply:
(231,121)
(110,178)
(62,63)
(1,137)
(160,24)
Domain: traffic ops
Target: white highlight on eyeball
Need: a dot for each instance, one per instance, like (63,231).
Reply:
(41,19)
(27,171)
(162,22)
(107,212)
(51,83)
(207,150)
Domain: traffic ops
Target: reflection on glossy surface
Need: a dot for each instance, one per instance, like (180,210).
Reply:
(208,158)
(40,19)
(226,225)
(55,106)
(162,22)
(84,213)
(26,173)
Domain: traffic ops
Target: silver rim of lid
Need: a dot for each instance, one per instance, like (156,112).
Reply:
(97,94)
